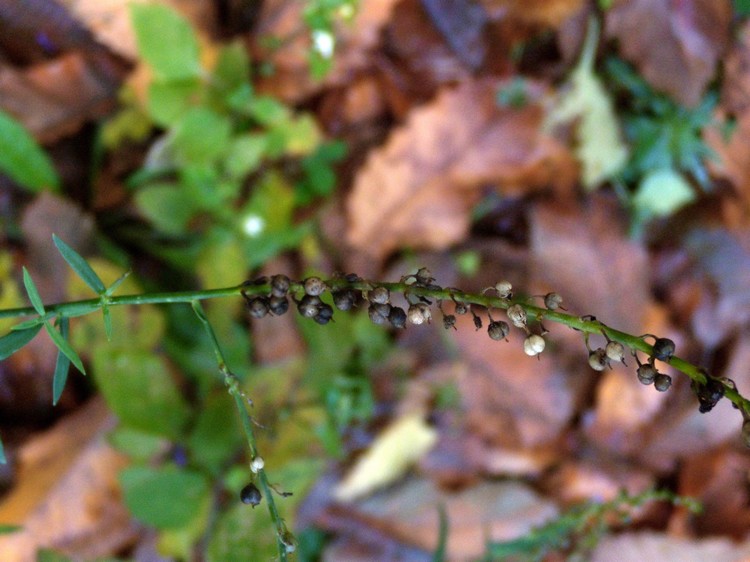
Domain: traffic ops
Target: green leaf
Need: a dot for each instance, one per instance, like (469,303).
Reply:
(245,154)
(107,322)
(661,193)
(51,556)
(166,41)
(215,436)
(6,529)
(62,366)
(137,444)
(201,136)
(22,159)
(139,389)
(117,282)
(168,101)
(31,290)
(26,324)
(166,207)
(80,266)
(16,339)
(165,498)
(63,345)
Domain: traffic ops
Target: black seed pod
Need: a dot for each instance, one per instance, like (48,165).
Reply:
(352,278)
(379,295)
(258,307)
(662,382)
(251,495)
(461,308)
(344,299)
(324,315)
(314,286)
(379,313)
(308,306)
(477,322)
(279,285)
(397,317)
(449,321)
(663,349)
(278,305)
(498,330)
(646,373)
(708,394)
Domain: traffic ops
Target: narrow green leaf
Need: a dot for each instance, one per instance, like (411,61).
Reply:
(16,339)
(64,346)
(3,460)
(80,266)
(113,287)
(62,365)
(6,528)
(107,322)
(166,41)
(31,290)
(22,159)
(26,324)
(440,552)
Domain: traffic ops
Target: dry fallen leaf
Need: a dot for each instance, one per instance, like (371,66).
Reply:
(545,13)
(66,495)
(399,446)
(691,36)
(735,87)
(637,547)
(418,189)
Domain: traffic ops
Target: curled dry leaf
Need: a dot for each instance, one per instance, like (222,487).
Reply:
(418,189)
(691,36)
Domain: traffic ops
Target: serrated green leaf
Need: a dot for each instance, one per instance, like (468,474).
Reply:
(63,345)
(165,498)
(31,290)
(16,339)
(62,365)
(166,41)
(22,159)
(80,266)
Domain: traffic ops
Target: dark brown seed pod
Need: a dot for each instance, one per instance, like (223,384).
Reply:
(279,285)
(379,295)
(258,307)
(461,308)
(646,373)
(278,305)
(251,495)
(708,394)
(498,330)
(397,317)
(379,313)
(344,299)
(449,321)
(314,286)
(598,359)
(477,321)
(663,349)
(662,382)
(308,306)
(324,315)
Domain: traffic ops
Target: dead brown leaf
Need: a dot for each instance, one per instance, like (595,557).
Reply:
(733,158)
(542,13)
(637,547)
(417,190)
(735,87)
(55,98)
(691,36)
(66,496)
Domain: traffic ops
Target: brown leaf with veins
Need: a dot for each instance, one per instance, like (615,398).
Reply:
(418,189)
(675,44)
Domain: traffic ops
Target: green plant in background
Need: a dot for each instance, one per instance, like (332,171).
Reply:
(578,530)
(320,17)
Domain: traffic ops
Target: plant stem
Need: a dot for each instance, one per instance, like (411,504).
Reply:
(230,380)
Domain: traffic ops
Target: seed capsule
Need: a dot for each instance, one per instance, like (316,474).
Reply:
(504,289)
(553,301)
(258,307)
(344,299)
(449,321)
(533,345)
(662,382)
(379,313)
(498,330)
(308,306)
(257,464)
(461,308)
(279,285)
(663,349)
(278,305)
(598,359)
(397,317)
(708,394)
(419,313)
(379,295)
(646,373)
(517,315)
(615,351)
(314,286)
(324,315)
(251,495)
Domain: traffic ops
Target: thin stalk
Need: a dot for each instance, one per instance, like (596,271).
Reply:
(230,380)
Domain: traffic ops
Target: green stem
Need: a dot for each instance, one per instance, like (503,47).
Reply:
(247,425)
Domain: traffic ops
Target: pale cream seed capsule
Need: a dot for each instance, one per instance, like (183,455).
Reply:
(517,315)
(257,464)
(598,359)
(419,313)
(504,289)
(533,345)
